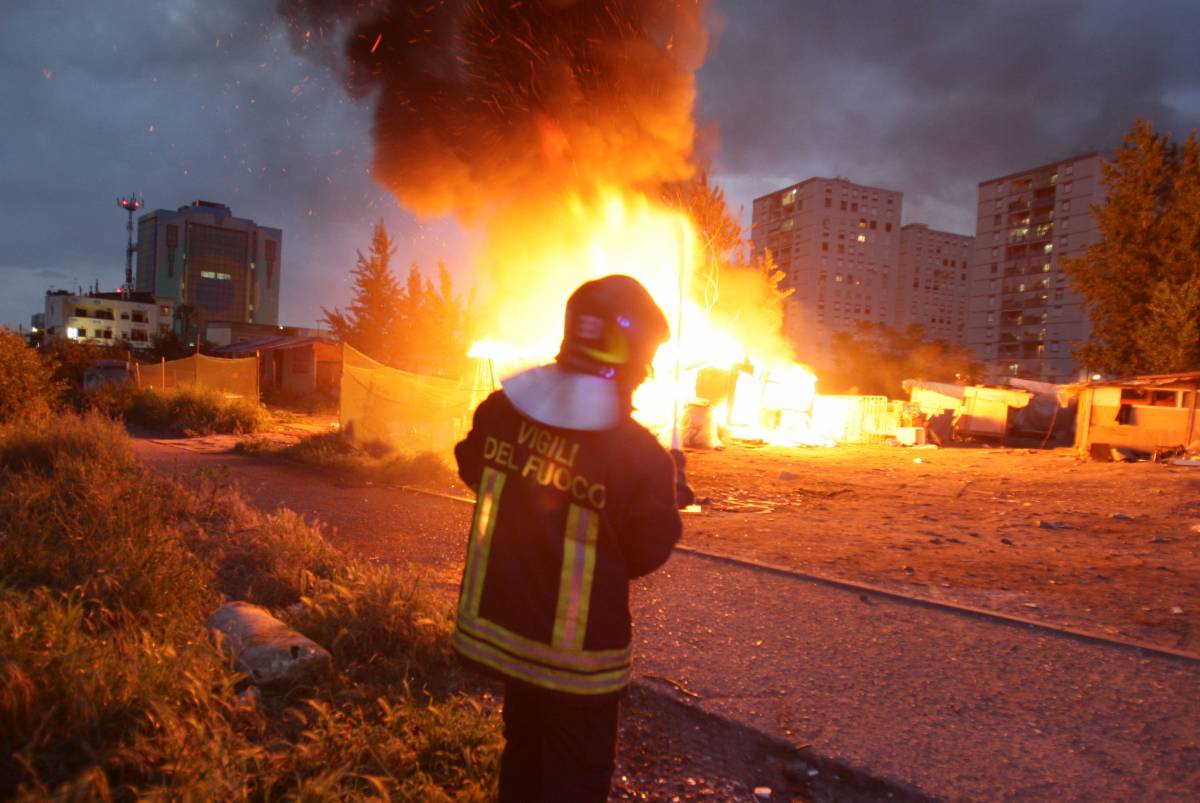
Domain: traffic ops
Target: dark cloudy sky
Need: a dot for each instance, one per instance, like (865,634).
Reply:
(189,99)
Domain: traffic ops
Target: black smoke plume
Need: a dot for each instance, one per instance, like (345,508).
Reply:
(481,103)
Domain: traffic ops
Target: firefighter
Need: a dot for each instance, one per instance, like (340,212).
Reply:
(573,499)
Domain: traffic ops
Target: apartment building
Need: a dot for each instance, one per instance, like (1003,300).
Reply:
(838,245)
(105,318)
(1022,317)
(932,282)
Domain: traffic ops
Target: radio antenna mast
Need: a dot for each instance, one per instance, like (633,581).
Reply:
(130,205)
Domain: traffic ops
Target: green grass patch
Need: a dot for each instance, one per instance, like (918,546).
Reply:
(111,689)
(183,411)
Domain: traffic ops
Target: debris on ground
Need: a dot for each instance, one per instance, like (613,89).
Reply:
(266,650)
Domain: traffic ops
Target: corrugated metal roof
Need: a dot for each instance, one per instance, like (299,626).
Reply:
(279,343)
(1147,380)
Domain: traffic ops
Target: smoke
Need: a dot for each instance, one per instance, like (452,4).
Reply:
(481,104)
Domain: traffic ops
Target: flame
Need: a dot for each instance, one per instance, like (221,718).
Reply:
(533,263)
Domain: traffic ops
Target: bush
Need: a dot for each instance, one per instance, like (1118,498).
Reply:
(185,410)
(110,688)
(28,389)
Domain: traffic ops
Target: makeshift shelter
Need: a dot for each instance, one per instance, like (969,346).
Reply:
(293,366)
(1145,413)
(978,411)
(1050,413)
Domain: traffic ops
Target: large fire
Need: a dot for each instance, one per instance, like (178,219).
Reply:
(547,128)
(762,392)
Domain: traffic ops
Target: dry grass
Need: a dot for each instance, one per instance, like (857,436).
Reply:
(110,689)
(183,411)
(376,462)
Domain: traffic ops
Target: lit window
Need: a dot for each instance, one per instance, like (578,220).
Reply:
(789,197)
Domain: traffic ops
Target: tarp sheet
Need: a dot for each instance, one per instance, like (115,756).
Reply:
(233,377)
(408,412)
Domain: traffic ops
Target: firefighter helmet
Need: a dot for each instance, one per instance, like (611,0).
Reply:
(613,328)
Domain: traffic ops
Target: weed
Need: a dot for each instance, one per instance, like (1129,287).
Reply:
(110,689)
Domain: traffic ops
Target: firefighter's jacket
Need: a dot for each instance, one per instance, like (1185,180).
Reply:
(563,519)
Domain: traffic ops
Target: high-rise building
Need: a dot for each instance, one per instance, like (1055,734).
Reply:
(224,267)
(1022,317)
(932,282)
(838,245)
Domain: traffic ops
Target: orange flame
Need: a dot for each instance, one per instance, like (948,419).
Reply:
(533,268)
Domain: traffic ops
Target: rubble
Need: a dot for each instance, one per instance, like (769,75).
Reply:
(268,651)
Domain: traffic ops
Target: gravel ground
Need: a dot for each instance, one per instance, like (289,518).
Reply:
(953,706)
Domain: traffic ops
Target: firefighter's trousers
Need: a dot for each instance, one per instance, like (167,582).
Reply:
(559,748)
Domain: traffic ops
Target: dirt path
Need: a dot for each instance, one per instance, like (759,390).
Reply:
(1111,548)
(950,705)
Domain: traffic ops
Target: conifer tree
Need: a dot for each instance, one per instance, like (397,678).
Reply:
(1140,282)
(372,323)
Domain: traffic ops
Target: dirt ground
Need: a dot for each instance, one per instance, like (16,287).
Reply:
(1112,548)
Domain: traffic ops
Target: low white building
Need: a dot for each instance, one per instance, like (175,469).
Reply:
(106,318)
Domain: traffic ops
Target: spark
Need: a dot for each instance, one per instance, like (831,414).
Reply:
(375,46)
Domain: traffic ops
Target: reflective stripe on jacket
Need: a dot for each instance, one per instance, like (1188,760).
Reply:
(563,520)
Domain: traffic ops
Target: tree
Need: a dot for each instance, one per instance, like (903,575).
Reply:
(372,321)
(1140,281)
(419,327)
(735,286)
(875,359)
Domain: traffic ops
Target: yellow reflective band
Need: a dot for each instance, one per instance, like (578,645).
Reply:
(575,579)
(490,488)
(540,651)
(546,677)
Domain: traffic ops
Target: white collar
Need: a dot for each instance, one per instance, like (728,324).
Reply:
(566,399)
